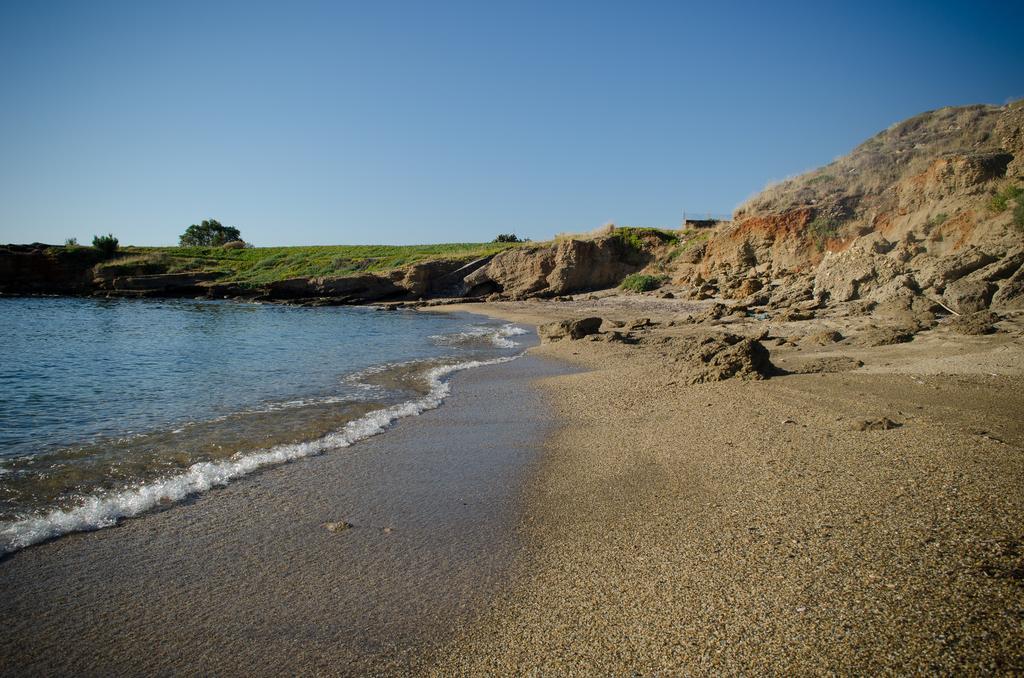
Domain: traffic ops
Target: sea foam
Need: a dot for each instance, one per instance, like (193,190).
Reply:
(498,337)
(106,510)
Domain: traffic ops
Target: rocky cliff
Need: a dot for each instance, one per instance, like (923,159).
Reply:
(565,266)
(928,213)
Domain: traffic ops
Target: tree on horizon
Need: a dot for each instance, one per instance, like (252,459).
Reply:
(210,233)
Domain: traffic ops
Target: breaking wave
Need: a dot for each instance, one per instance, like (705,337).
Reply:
(497,337)
(106,510)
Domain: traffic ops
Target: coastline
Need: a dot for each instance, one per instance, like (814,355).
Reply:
(58,494)
(640,525)
(247,577)
(753,527)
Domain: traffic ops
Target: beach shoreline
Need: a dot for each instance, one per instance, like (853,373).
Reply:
(649,526)
(766,526)
(264,576)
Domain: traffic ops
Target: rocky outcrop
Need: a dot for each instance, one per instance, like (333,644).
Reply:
(953,174)
(553,269)
(558,268)
(937,272)
(46,269)
(716,357)
(903,228)
(354,289)
(162,285)
(969,296)
(982,322)
(856,272)
(777,243)
(568,329)
(1010,296)
(437,277)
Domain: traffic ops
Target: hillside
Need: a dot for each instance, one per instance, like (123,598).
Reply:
(926,202)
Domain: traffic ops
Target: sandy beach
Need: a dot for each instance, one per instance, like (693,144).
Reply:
(585,510)
(750,527)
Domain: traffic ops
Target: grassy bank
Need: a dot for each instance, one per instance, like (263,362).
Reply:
(261,265)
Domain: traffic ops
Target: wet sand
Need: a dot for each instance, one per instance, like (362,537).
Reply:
(247,580)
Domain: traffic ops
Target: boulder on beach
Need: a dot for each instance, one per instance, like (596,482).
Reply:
(982,322)
(569,329)
(720,360)
(969,296)
(824,338)
(720,356)
(884,336)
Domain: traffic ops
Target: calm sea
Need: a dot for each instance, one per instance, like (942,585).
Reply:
(109,408)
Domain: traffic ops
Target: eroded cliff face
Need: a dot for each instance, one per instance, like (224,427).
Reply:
(558,268)
(778,243)
(885,222)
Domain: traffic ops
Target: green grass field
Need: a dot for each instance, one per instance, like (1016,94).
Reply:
(261,265)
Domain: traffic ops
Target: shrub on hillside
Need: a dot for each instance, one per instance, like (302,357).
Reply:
(507,237)
(642,283)
(106,244)
(821,229)
(1001,200)
(210,233)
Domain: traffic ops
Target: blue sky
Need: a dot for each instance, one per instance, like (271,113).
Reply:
(411,122)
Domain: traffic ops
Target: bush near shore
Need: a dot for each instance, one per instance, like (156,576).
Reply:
(638,282)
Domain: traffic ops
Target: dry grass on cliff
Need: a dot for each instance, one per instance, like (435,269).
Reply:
(902,150)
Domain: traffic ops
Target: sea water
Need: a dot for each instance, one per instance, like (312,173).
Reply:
(111,408)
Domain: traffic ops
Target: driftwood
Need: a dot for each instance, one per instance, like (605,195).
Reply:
(936,301)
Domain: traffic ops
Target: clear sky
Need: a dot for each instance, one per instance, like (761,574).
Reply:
(411,122)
